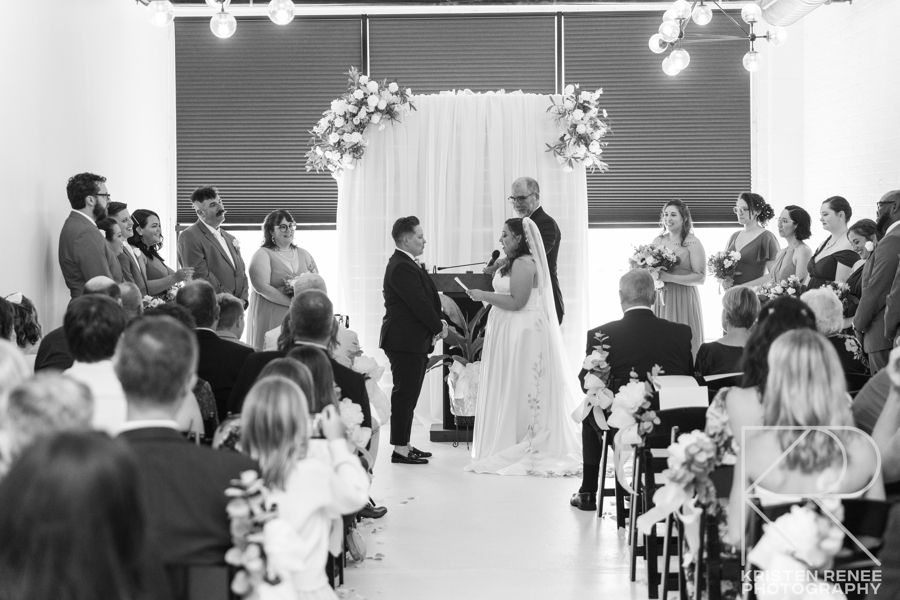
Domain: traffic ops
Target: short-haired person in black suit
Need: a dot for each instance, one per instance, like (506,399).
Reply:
(412,322)
(526,200)
(637,342)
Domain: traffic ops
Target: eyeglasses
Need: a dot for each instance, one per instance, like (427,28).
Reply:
(519,199)
(785,221)
(879,204)
(739,211)
(285,227)
(107,196)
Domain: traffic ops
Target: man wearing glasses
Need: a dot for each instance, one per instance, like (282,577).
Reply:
(526,201)
(83,251)
(212,252)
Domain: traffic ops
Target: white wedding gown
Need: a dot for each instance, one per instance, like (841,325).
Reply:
(526,392)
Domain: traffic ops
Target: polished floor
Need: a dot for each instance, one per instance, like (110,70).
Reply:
(450,535)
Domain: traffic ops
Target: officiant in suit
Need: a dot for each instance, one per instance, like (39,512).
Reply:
(526,201)
(637,342)
(83,252)
(212,252)
(411,325)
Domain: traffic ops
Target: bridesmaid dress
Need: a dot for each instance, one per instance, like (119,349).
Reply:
(681,303)
(754,256)
(825,270)
(265,314)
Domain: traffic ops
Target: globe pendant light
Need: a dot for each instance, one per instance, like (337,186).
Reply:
(281,11)
(223,25)
(161,12)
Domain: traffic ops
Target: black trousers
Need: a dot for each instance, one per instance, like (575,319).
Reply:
(408,369)
(591,440)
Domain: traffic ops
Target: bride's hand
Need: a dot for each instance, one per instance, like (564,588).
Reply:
(477,295)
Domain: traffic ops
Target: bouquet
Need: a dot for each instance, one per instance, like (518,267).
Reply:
(653,258)
(598,397)
(841,290)
(580,141)
(722,265)
(249,516)
(633,416)
(169,296)
(777,289)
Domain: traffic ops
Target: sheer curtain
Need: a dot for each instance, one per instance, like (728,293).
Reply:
(451,163)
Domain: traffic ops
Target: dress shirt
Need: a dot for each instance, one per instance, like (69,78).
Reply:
(227,335)
(146,424)
(415,260)
(93,222)
(637,308)
(109,399)
(221,238)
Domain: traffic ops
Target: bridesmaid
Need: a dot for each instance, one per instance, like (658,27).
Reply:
(794,227)
(277,260)
(863,237)
(834,259)
(681,297)
(758,247)
(147,237)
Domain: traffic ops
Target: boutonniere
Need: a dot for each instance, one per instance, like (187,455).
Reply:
(236,244)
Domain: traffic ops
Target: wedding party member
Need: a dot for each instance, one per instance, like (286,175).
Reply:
(834,258)
(128,259)
(757,246)
(272,271)
(183,484)
(878,281)
(279,338)
(82,253)
(740,305)
(412,323)
(863,236)
(230,325)
(830,322)
(147,239)
(210,251)
(794,226)
(115,242)
(680,302)
(637,342)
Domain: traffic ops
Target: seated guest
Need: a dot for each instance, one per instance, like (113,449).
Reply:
(863,236)
(53,353)
(739,309)
(344,346)
(220,360)
(231,318)
(7,321)
(830,322)
(26,324)
(73,523)
(93,324)
(306,281)
(183,483)
(115,242)
(132,301)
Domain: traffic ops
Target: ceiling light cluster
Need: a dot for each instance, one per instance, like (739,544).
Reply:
(223,24)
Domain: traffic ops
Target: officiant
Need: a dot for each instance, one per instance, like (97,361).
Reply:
(526,201)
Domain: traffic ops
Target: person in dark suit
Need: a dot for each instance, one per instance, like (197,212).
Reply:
(220,360)
(878,313)
(312,321)
(183,484)
(128,261)
(412,322)
(82,247)
(637,342)
(526,200)
(212,252)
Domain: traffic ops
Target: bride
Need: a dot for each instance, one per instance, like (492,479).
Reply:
(522,424)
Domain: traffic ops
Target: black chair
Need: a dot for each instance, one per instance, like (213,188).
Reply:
(616,491)
(201,582)
(856,382)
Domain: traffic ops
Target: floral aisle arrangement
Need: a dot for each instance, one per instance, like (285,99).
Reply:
(250,517)
(722,265)
(777,289)
(338,141)
(633,416)
(154,301)
(352,417)
(581,139)
(598,397)
(372,371)
(653,258)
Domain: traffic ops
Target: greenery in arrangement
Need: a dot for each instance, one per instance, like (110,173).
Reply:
(461,335)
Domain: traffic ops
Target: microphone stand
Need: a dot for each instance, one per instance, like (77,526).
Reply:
(455,266)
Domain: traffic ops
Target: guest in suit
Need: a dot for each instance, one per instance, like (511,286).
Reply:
(412,322)
(307,281)
(183,483)
(210,251)
(878,280)
(231,319)
(148,239)
(82,252)
(637,342)
(526,201)
(220,361)
(128,259)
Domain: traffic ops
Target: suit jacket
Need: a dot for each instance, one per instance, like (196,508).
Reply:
(132,272)
(412,307)
(198,248)
(640,340)
(184,492)
(551,237)
(352,384)
(82,253)
(53,352)
(220,364)
(878,279)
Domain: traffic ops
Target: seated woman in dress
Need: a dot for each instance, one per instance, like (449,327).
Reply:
(834,259)
(863,237)
(272,269)
(757,245)
(310,493)
(740,306)
(794,226)
(830,322)
(681,299)
(148,238)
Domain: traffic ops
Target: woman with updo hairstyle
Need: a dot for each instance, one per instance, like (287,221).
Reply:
(147,237)
(834,259)
(794,226)
(863,237)
(757,246)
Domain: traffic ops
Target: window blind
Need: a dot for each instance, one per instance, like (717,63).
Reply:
(686,136)
(244,108)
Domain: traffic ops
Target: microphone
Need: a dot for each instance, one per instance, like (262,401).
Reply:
(494,256)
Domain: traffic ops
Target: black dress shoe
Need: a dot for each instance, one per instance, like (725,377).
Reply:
(419,453)
(372,512)
(412,459)
(584,501)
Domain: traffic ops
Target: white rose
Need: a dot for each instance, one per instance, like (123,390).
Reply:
(569,104)
(585,96)
(356,120)
(578,114)
(334,138)
(353,108)
(363,79)
(727,263)
(382,105)
(372,86)
(376,118)
(594,147)
(336,106)
(581,128)
(372,101)
(347,137)
(604,113)
(630,396)
(364,364)
(393,87)
(347,159)
(339,122)
(588,161)
(356,137)
(359,94)
(409,91)
(570,89)
(791,291)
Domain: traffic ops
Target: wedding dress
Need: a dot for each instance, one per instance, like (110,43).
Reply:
(527,391)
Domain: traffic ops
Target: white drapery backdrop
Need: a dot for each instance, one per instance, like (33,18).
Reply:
(451,163)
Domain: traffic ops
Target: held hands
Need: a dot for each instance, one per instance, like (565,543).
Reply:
(332,426)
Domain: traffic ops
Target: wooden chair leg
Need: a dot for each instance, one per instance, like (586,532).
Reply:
(601,492)
(667,553)
(632,530)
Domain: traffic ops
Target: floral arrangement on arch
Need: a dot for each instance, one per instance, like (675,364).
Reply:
(338,141)
(581,140)
(722,265)
(653,258)
(777,289)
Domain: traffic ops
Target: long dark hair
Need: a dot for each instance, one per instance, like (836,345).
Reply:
(775,317)
(319,366)
(140,218)
(72,522)
(271,222)
(802,219)
(687,225)
(516,228)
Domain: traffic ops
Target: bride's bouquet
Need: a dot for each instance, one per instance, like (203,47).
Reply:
(653,258)
(722,265)
(776,289)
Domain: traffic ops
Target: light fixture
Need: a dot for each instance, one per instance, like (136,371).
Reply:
(281,11)
(161,12)
(672,33)
(222,24)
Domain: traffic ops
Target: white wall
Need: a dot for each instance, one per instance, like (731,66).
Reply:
(87,86)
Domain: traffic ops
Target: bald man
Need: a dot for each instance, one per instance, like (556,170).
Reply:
(306,281)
